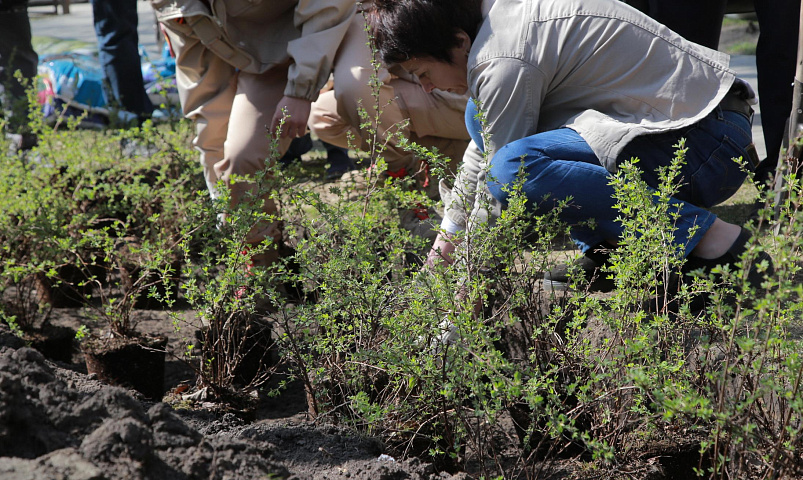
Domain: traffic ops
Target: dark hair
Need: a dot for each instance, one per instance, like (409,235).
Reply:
(403,29)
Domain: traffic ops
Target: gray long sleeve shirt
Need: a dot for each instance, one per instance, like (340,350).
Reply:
(598,67)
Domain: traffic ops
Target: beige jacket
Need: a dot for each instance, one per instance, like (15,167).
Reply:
(255,35)
(598,67)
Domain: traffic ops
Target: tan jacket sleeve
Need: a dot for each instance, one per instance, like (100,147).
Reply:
(323,24)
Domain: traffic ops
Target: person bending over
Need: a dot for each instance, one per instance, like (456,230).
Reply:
(571,89)
(431,119)
(242,67)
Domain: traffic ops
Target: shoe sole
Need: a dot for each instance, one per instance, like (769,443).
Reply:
(597,286)
(554,286)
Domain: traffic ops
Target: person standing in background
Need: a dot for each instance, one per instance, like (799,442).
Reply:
(118,46)
(16,54)
(776,55)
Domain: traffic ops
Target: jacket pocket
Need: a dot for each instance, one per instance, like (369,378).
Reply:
(235,8)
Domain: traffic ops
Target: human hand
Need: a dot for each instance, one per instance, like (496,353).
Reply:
(441,251)
(295,112)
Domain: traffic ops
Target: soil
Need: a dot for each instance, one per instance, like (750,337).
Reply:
(59,423)
(738,35)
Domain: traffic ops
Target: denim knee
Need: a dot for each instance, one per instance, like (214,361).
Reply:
(504,173)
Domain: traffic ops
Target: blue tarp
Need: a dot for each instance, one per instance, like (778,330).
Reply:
(72,83)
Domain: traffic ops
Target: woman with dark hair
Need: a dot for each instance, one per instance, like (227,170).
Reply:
(570,90)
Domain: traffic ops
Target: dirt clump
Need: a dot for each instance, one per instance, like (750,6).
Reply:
(56,423)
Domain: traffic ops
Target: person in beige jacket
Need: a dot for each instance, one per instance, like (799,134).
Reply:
(431,119)
(243,65)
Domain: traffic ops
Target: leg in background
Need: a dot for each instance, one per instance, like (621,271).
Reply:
(118,43)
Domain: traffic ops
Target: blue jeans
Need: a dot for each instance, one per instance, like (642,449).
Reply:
(118,44)
(559,164)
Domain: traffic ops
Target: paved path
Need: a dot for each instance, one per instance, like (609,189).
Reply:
(745,66)
(78,25)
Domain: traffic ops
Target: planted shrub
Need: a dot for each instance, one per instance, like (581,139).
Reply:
(233,352)
(641,371)
(87,213)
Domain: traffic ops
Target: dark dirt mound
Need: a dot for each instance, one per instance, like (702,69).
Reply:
(59,424)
